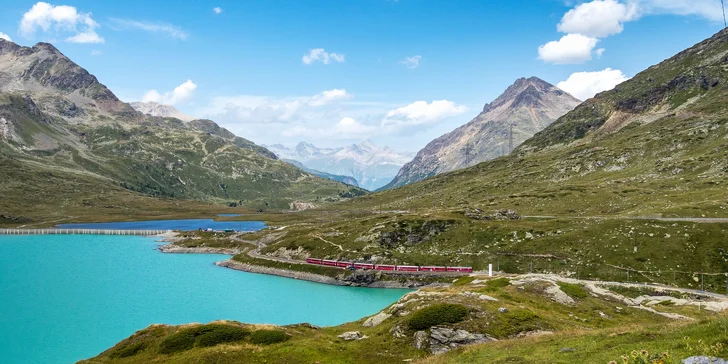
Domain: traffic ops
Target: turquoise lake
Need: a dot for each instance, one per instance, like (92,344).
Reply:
(65,298)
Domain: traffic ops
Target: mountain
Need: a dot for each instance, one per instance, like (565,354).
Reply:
(343,179)
(156,109)
(372,166)
(529,105)
(59,125)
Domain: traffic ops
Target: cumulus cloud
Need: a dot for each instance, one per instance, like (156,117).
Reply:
(570,49)
(217,10)
(60,19)
(422,112)
(598,19)
(164,28)
(320,55)
(179,95)
(584,85)
(5,36)
(411,62)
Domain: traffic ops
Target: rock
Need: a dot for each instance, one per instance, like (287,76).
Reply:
(704,360)
(421,340)
(376,319)
(567,350)
(352,335)
(362,277)
(444,339)
(487,298)
(397,332)
(502,310)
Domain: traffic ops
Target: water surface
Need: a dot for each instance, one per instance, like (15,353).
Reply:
(189,224)
(68,297)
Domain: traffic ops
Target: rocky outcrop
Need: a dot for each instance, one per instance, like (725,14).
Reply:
(376,319)
(529,105)
(704,360)
(443,339)
(478,214)
(352,336)
(422,340)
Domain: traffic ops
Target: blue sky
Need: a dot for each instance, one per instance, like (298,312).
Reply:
(398,72)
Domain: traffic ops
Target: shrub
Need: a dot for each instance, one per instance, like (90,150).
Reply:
(178,342)
(221,334)
(514,322)
(128,349)
(267,337)
(443,313)
(573,290)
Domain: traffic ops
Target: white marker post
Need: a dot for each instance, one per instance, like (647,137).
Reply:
(490,270)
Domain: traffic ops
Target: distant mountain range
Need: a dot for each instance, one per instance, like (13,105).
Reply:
(529,105)
(371,166)
(156,109)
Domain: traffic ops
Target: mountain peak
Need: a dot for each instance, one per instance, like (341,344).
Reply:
(525,92)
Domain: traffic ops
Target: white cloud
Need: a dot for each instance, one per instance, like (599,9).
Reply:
(96,52)
(5,36)
(570,49)
(346,128)
(263,110)
(85,37)
(598,19)
(422,112)
(179,95)
(584,85)
(60,18)
(600,52)
(217,10)
(708,9)
(320,55)
(328,97)
(411,62)
(169,29)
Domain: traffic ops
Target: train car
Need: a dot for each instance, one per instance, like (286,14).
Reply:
(407,268)
(363,266)
(460,269)
(343,264)
(385,267)
(330,263)
(433,269)
(313,261)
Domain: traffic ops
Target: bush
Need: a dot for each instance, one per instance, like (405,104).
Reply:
(221,334)
(205,335)
(573,290)
(443,313)
(127,349)
(267,337)
(178,342)
(496,284)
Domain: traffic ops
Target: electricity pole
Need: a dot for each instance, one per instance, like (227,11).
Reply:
(510,140)
(467,150)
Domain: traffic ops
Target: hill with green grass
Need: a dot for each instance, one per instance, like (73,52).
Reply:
(58,120)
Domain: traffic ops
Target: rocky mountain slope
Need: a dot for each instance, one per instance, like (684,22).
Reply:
(152,108)
(529,105)
(56,117)
(372,166)
(343,179)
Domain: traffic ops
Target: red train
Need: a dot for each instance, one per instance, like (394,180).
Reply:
(388,267)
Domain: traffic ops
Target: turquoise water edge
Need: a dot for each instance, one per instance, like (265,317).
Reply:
(64,298)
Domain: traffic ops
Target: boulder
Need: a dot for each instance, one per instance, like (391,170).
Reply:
(376,319)
(704,360)
(421,340)
(352,335)
(397,332)
(444,339)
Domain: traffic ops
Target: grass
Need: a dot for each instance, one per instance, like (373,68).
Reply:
(579,326)
(574,291)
